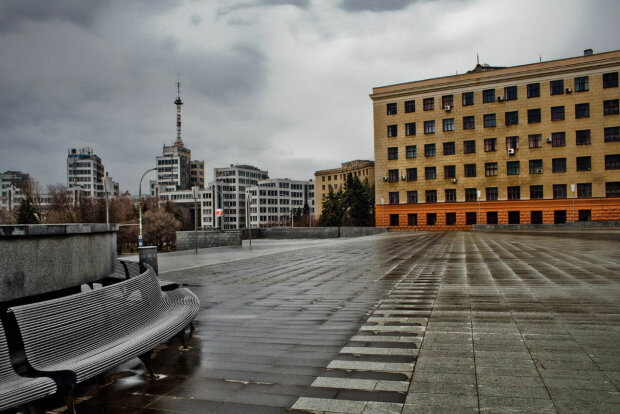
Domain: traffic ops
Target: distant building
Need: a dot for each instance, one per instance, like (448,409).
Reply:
(335,178)
(10,188)
(531,144)
(86,173)
(273,201)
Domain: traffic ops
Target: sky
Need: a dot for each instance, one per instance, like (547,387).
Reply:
(279,84)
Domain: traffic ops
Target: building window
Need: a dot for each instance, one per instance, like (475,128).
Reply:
(430,173)
(431,196)
(514,192)
(412,174)
(512,118)
(536,192)
(536,217)
(411,151)
(512,143)
(468,98)
(610,80)
(448,124)
(582,110)
(393,176)
(470,170)
(409,106)
(536,166)
(469,146)
(583,137)
(559,190)
(581,84)
(449,171)
(450,195)
(558,165)
(558,139)
(471,194)
(559,217)
(490,144)
(488,95)
(429,150)
(392,131)
(410,128)
(610,107)
(491,193)
(510,93)
(394,220)
(450,219)
(584,163)
(514,217)
(470,218)
(412,219)
(394,197)
(612,189)
(533,116)
(557,113)
(535,140)
(584,190)
(489,120)
(469,122)
(612,134)
(513,167)
(612,162)
(392,153)
(429,104)
(412,197)
(490,169)
(391,109)
(429,127)
(449,148)
(533,90)
(447,100)
(491,217)
(431,219)
(556,87)
(585,215)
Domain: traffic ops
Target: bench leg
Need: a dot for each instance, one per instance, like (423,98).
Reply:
(146,360)
(181,336)
(191,326)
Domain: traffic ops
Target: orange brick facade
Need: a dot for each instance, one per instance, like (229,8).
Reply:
(522,140)
(597,209)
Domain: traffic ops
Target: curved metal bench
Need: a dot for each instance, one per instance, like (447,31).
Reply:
(14,389)
(77,337)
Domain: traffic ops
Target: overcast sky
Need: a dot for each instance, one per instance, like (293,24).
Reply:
(279,84)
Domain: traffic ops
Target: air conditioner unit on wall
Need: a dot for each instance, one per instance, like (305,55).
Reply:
(403,177)
(454,181)
(500,98)
(447,108)
(539,171)
(511,151)
(385,178)
(568,90)
(549,140)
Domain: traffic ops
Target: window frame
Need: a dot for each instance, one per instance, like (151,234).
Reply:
(556,114)
(491,169)
(392,153)
(513,167)
(391,108)
(533,90)
(488,95)
(490,144)
(489,120)
(411,151)
(430,173)
(583,163)
(582,84)
(511,118)
(467,98)
(534,141)
(536,192)
(513,192)
(491,193)
(533,116)
(611,107)
(410,106)
(582,137)
(558,139)
(448,124)
(392,131)
(469,122)
(582,110)
(430,150)
(469,170)
(469,146)
(556,87)
(610,80)
(428,104)
(449,145)
(612,134)
(558,165)
(511,93)
(429,127)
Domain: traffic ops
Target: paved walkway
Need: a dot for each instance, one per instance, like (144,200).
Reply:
(393,323)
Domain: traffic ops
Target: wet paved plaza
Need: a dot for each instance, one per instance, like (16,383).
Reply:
(393,323)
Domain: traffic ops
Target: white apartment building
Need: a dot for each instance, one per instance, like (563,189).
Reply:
(85,172)
(273,201)
(10,191)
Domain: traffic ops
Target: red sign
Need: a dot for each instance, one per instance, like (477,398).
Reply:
(219,212)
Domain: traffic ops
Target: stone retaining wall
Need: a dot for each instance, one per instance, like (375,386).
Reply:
(213,238)
(38,258)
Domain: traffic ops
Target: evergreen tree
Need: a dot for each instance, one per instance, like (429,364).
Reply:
(26,212)
(333,210)
(352,207)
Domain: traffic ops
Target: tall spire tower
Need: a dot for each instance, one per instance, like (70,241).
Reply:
(178,103)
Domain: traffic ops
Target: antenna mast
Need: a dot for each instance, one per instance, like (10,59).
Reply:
(178,102)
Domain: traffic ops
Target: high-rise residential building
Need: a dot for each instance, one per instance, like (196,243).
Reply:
(85,172)
(537,143)
(273,201)
(334,179)
(197,174)
(10,189)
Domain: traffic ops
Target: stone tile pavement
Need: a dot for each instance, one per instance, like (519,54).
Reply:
(394,323)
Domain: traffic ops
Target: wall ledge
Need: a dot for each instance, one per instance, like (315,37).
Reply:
(29,230)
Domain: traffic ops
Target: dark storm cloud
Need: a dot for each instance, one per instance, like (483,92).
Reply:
(15,12)
(375,5)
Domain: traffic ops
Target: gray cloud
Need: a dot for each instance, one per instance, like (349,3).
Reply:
(15,12)
(375,5)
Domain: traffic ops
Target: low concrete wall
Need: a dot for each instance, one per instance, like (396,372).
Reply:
(300,233)
(361,231)
(38,258)
(576,225)
(213,238)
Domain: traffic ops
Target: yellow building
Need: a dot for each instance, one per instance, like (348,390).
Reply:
(335,178)
(536,143)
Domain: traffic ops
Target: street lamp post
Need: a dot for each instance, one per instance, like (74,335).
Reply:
(195,191)
(140,204)
(572,189)
(383,211)
(247,214)
(478,193)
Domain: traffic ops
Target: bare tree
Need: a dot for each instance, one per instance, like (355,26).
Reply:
(6,216)
(159,227)
(61,208)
